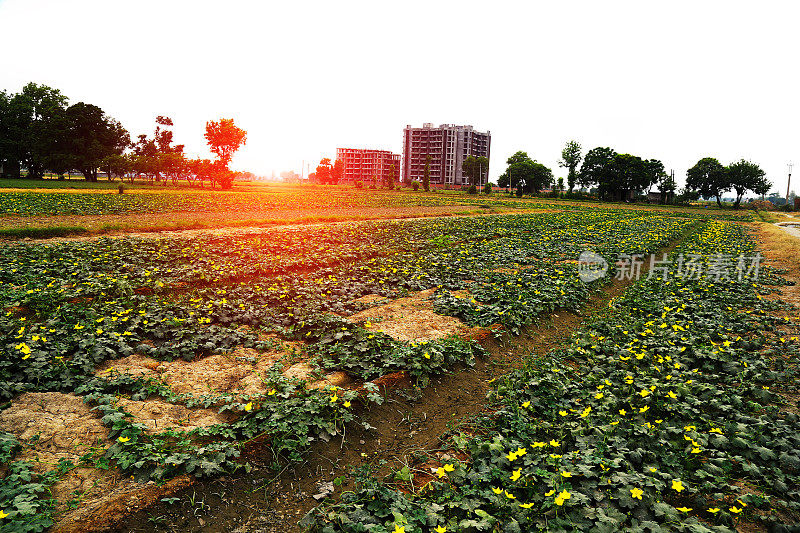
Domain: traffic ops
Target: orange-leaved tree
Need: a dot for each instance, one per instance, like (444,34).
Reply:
(224,138)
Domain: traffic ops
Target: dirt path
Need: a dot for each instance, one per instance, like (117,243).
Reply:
(244,225)
(410,422)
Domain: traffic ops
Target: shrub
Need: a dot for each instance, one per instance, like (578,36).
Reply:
(415,185)
(487,189)
(519,192)
(472,190)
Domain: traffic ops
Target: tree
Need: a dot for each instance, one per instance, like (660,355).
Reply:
(745,176)
(31,129)
(337,172)
(709,178)
(93,137)
(426,174)
(225,138)
(475,168)
(570,159)
(617,176)
(666,186)
(324,170)
(528,175)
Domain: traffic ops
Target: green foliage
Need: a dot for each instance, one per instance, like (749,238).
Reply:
(570,158)
(526,174)
(654,417)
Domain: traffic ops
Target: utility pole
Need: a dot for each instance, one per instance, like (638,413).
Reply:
(789,183)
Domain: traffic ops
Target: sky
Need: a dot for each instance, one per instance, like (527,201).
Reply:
(675,81)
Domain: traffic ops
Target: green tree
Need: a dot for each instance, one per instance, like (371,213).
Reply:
(224,139)
(709,178)
(475,168)
(526,174)
(570,159)
(426,174)
(93,137)
(617,176)
(746,176)
(666,187)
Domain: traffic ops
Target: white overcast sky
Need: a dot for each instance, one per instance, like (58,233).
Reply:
(674,80)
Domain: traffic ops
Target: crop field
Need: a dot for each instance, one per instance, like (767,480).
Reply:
(133,366)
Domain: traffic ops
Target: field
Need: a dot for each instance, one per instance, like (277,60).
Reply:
(416,372)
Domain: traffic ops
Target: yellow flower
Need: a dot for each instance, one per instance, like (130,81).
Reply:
(449,468)
(440,529)
(562,413)
(2,514)
(672,395)
(550,493)
(684,509)
(521,452)
(644,409)
(598,395)
(554,443)
(677,485)
(637,493)
(440,472)
(334,398)
(526,405)
(123,439)
(644,392)
(695,450)
(496,490)
(566,474)
(515,474)
(271,392)
(715,430)
(735,510)
(713,510)
(426,355)
(562,497)
(510,496)
(347,403)
(249,406)
(623,412)
(399,529)
(526,505)
(511,456)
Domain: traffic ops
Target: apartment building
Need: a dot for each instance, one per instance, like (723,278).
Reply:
(447,146)
(367,165)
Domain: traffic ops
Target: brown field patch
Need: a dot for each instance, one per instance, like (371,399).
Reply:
(412,318)
(61,427)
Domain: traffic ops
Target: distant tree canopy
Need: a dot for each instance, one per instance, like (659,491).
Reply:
(39,132)
(475,168)
(224,139)
(525,174)
(570,159)
(619,176)
(711,179)
(325,171)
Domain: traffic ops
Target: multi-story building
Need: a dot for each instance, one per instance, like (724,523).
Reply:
(364,165)
(447,146)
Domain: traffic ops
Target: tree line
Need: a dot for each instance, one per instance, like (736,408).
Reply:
(622,177)
(41,133)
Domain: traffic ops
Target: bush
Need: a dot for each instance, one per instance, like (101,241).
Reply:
(487,189)
(519,192)
(415,185)
(472,190)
